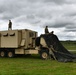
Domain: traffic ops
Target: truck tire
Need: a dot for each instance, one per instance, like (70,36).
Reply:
(2,53)
(44,54)
(10,54)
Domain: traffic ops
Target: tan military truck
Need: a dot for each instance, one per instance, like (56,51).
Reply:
(13,42)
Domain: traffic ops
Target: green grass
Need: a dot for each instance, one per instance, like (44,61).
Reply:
(70,45)
(35,66)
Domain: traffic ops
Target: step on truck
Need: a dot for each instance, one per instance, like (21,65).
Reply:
(15,42)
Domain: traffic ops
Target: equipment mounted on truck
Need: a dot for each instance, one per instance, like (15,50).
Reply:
(13,42)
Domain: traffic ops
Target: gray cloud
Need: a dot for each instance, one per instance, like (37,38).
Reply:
(56,1)
(54,13)
(61,2)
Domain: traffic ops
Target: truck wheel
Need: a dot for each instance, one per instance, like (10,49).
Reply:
(44,54)
(2,54)
(10,54)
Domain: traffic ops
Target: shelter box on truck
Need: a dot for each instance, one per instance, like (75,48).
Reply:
(17,42)
(28,39)
(10,39)
(18,38)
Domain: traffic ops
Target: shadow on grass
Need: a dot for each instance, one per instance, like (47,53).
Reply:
(28,56)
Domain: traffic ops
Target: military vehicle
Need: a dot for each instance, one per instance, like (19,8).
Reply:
(25,41)
(13,42)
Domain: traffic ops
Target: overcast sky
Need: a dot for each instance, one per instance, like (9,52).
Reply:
(58,15)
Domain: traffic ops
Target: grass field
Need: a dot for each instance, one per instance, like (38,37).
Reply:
(70,45)
(33,65)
